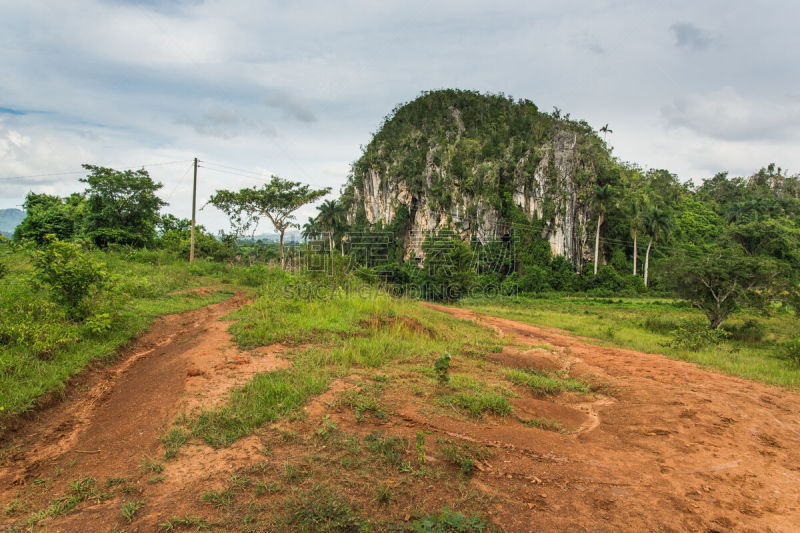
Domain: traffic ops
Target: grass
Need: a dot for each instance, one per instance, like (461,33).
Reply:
(448,520)
(477,404)
(543,384)
(362,330)
(321,510)
(172,441)
(547,424)
(79,491)
(130,509)
(390,448)
(463,455)
(196,523)
(648,325)
(41,347)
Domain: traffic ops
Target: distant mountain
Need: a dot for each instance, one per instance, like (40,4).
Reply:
(10,219)
(289,237)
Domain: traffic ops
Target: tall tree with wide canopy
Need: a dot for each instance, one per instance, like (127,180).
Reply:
(601,200)
(277,200)
(122,206)
(658,224)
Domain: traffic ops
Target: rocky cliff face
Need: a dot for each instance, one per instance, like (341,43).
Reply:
(456,175)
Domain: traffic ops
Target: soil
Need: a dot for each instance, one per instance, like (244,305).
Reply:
(660,445)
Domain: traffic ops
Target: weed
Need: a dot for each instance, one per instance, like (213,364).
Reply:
(195,522)
(442,369)
(292,473)
(447,520)
(149,465)
(464,456)
(157,479)
(364,400)
(79,491)
(420,449)
(326,426)
(391,448)
(112,481)
(130,509)
(220,498)
(172,441)
(321,510)
(383,493)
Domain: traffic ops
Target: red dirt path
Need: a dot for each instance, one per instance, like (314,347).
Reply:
(667,446)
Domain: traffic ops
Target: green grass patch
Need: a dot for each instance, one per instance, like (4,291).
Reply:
(547,424)
(42,345)
(753,349)
(476,404)
(543,384)
(380,330)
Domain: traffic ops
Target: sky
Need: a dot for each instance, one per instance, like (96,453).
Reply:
(257,87)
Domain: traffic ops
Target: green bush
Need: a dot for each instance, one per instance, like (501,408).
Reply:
(69,272)
(791,350)
(442,368)
(33,325)
(693,335)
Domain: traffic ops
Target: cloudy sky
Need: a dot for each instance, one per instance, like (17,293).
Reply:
(294,88)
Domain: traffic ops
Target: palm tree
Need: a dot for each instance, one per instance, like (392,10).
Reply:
(601,200)
(330,219)
(310,229)
(606,130)
(657,223)
(636,207)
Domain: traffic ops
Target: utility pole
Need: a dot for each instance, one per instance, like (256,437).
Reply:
(194,205)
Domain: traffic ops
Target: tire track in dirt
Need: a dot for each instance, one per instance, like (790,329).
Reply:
(114,418)
(701,450)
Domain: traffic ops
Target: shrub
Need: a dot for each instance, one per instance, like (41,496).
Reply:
(791,350)
(535,279)
(442,368)
(693,335)
(70,273)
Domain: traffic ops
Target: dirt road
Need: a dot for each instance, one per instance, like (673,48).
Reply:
(675,447)
(663,445)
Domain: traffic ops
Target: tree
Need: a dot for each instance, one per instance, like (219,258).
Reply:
(601,200)
(605,130)
(722,277)
(449,270)
(276,200)
(51,215)
(310,229)
(658,223)
(331,219)
(122,207)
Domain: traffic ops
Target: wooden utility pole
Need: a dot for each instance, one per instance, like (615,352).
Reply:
(194,205)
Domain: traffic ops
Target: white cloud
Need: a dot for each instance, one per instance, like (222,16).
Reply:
(726,114)
(297,87)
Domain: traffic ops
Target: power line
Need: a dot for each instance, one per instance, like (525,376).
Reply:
(72,172)
(258,174)
(232,173)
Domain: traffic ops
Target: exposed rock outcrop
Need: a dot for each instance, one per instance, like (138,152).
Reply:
(444,170)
